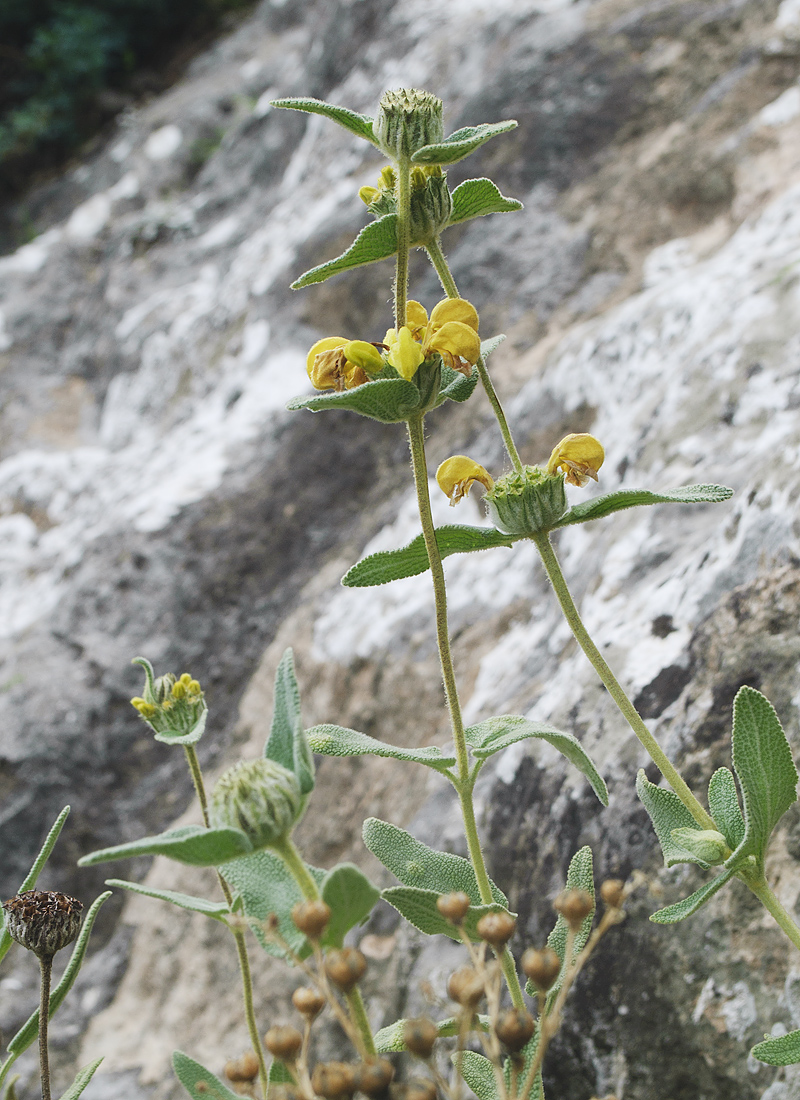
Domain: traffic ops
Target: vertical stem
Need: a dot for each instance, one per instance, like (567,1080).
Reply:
(197,779)
(437,258)
(358,1014)
(765,895)
(629,712)
(403,240)
(46,968)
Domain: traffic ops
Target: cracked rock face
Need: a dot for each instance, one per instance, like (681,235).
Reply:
(156,498)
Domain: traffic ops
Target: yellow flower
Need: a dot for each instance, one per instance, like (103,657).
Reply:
(456,475)
(579,456)
(452,331)
(336,363)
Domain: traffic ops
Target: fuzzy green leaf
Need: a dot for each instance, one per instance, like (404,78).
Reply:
(580,876)
(337,741)
(461,143)
(604,505)
(498,733)
(474,198)
(667,812)
(490,345)
(723,802)
(175,737)
(455,386)
(217,910)
(191,1075)
(376,241)
(360,125)
(418,906)
(389,1040)
(415,864)
(351,897)
(279,1074)
(765,769)
(478,1072)
(412,559)
(82,1079)
(671,914)
(190,844)
(287,744)
(389,400)
(780,1050)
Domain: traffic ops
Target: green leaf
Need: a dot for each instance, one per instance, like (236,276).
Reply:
(35,871)
(191,1074)
(351,896)
(82,1079)
(279,1073)
(415,864)
(490,345)
(266,885)
(175,737)
(191,844)
(763,763)
(474,198)
(455,386)
(389,1040)
(631,498)
(782,1050)
(287,744)
(498,733)
(360,125)
(682,909)
(410,560)
(667,812)
(338,741)
(723,802)
(389,400)
(30,1029)
(478,1072)
(418,906)
(376,241)
(217,910)
(461,143)
(580,876)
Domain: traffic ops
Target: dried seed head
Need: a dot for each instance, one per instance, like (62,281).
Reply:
(308,1002)
(286,1092)
(453,907)
(465,987)
(420,1035)
(420,1090)
(373,1078)
(612,892)
(43,920)
(283,1042)
(496,928)
(345,968)
(333,1080)
(574,906)
(242,1069)
(514,1028)
(311,917)
(542,967)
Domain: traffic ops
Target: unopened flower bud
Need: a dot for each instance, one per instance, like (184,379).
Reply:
(419,1036)
(332,1080)
(43,921)
(496,928)
(407,120)
(345,967)
(242,1069)
(373,1078)
(465,987)
(705,844)
(612,891)
(528,502)
(283,1042)
(311,917)
(514,1028)
(541,966)
(308,1002)
(260,797)
(171,706)
(574,906)
(431,204)
(453,907)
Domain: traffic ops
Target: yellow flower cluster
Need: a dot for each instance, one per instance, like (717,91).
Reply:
(336,363)
(452,331)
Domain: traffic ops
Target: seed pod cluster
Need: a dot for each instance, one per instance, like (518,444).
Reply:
(242,1069)
(496,929)
(374,1078)
(309,1002)
(574,906)
(311,917)
(453,907)
(514,1028)
(420,1035)
(333,1080)
(541,966)
(283,1042)
(465,987)
(345,967)
(43,921)
(612,892)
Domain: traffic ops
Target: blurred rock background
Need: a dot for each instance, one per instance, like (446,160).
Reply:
(156,498)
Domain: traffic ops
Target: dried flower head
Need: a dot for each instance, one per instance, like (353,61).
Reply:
(43,921)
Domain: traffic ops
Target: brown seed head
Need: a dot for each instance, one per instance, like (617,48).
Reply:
(333,1080)
(574,906)
(420,1090)
(311,917)
(612,892)
(514,1028)
(465,987)
(283,1042)
(453,907)
(420,1035)
(542,967)
(308,1002)
(43,920)
(496,928)
(345,968)
(373,1078)
(242,1069)
(286,1092)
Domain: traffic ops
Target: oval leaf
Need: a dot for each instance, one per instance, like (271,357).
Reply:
(723,802)
(631,498)
(667,812)
(475,198)
(214,909)
(338,741)
(478,1072)
(351,896)
(389,400)
(199,1082)
(376,241)
(360,125)
(190,844)
(411,560)
(389,1040)
(419,908)
(782,1050)
(461,143)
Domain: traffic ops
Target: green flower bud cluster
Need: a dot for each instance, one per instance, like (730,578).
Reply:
(528,502)
(260,797)
(431,204)
(169,704)
(407,120)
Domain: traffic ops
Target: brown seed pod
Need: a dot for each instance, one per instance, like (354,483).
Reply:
(496,928)
(420,1035)
(286,1092)
(345,968)
(333,1080)
(242,1069)
(453,907)
(514,1028)
(542,967)
(43,920)
(373,1078)
(420,1090)
(283,1042)
(309,1002)
(465,987)
(311,917)
(612,892)
(574,906)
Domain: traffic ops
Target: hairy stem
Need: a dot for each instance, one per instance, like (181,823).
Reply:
(197,779)
(46,968)
(286,849)
(765,895)
(629,712)
(403,241)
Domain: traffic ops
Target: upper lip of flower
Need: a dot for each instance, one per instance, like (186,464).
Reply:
(457,474)
(451,330)
(579,456)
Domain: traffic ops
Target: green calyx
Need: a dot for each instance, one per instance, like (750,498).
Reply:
(528,502)
(260,797)
(431,204)
(173,707)
(408,120)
